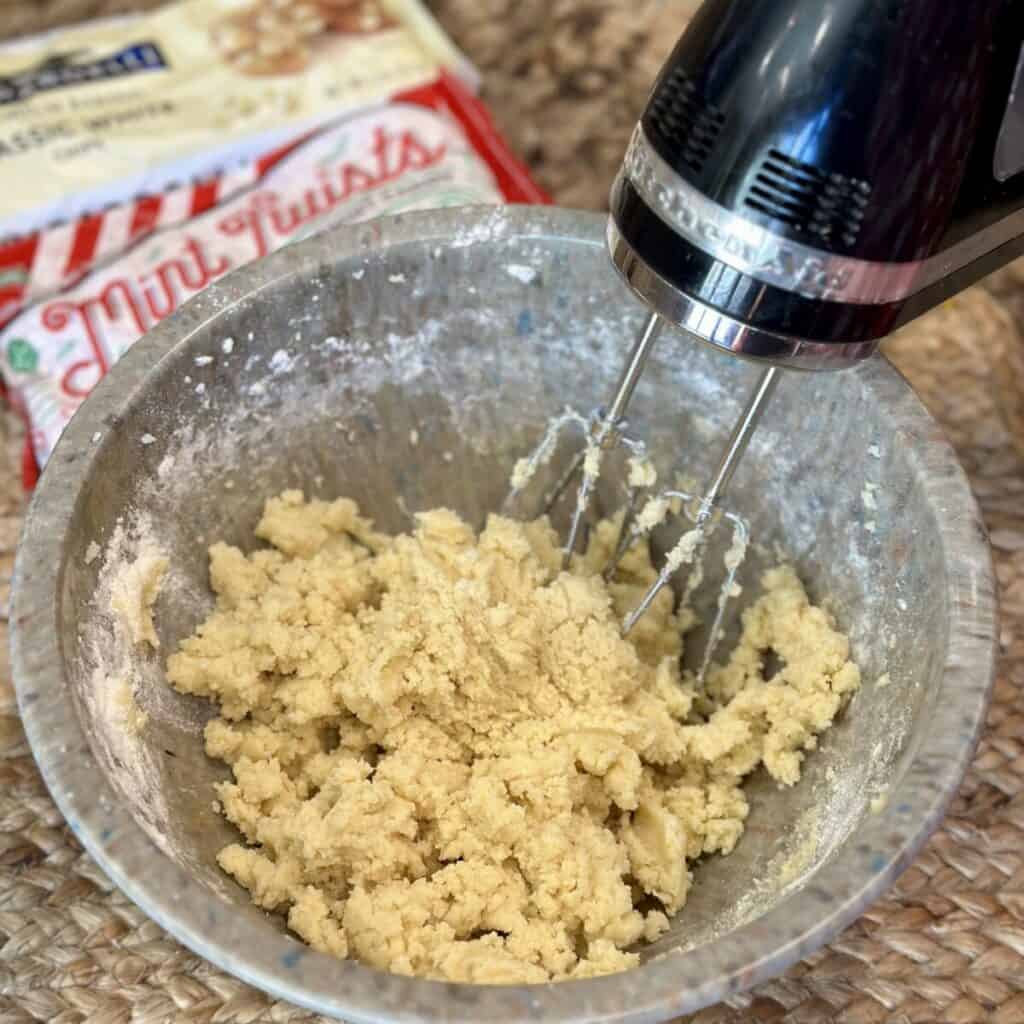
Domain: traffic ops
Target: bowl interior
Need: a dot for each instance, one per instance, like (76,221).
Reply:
(413,375)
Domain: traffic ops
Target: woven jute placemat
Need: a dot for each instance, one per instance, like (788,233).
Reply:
(565,79)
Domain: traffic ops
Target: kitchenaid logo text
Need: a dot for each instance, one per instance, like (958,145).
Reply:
(771,260)
(114,309)
(66,69)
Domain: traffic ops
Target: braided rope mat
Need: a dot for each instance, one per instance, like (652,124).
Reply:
(565,79)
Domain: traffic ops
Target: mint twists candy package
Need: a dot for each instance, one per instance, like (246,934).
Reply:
(81,282)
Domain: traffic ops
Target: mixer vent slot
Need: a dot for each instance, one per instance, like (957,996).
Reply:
(827,208)
(682,122)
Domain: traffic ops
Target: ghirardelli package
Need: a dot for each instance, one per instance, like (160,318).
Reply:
(142,159)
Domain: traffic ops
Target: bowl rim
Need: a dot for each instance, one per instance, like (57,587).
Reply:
(672,984)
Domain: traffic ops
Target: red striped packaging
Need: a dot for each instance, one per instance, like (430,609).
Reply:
(74,297)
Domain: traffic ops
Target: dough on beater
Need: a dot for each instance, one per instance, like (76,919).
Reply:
(447,760)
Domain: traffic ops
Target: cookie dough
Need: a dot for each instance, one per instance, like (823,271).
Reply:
(448,762)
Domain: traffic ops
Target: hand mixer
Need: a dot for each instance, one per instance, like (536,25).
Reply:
(807,176)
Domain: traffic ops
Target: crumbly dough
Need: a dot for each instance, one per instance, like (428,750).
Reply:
(447,760)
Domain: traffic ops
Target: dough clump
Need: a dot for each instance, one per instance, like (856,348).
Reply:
(448,762)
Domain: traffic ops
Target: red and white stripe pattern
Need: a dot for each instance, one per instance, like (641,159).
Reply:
(54,265)
(45,262)
(55,258)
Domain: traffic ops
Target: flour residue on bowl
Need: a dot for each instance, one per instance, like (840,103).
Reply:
(133,591)
(120,642)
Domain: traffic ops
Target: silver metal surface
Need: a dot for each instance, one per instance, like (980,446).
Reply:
(715,328)
(813,273)
(1008,159)
(608,428)
(632,371)
(475,361)
(735,448)
(741,529)
(755,250)
(739,440)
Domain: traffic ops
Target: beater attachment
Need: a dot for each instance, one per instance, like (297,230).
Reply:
(645,510)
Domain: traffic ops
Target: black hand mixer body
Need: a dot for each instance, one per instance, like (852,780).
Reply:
(808,175)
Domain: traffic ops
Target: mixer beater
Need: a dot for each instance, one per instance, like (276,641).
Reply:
(807,176)
(604,431)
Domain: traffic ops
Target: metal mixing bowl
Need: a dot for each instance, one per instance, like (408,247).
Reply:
(408,363)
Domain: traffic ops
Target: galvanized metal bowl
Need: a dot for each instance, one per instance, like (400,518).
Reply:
(408,363)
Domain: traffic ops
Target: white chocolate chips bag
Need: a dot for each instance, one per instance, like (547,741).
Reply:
(74,296)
